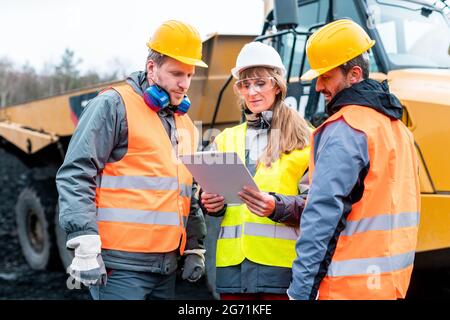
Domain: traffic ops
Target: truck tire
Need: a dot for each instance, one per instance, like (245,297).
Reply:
(12,181)
(65,254)
(35,230)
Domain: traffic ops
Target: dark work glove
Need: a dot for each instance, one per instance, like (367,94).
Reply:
(194,265)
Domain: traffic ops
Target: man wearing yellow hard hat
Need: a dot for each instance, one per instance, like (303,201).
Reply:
(359,227)
(128,205)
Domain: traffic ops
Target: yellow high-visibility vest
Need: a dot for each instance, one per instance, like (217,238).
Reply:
(246,235)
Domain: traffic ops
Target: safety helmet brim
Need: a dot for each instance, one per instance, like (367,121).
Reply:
(257,54)
(180,41)
(237,70)
(190,61)
(314,73)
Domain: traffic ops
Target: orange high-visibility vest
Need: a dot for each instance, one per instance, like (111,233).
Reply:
(374,254)
(143,200)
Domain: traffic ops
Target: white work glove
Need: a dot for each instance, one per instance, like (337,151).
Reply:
(87,266)
(194,265)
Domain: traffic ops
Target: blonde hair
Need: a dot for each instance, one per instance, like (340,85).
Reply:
(288,131)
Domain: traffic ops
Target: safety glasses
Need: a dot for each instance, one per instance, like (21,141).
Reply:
(259,85)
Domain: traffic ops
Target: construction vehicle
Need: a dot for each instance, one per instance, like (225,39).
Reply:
(411,52)
(35,136)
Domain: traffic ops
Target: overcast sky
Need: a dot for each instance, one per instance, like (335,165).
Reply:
(102,31)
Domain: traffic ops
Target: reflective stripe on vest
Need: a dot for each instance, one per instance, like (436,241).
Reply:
(230,232)
(370,265)
(379,239)
(143,200)
(259,230)
(382,222)
(245,235)
(271,231)
(185,190)
(138,216)
(144,183)
(139,182)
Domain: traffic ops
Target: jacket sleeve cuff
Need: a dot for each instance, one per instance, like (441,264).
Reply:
(213,214)
(288,209)
(199,252)
(279,210)
(279,207)
(72,235)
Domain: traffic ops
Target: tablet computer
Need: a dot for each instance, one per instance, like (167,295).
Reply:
(222,173)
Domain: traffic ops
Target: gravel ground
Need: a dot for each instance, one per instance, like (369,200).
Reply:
(19,281)
(26,284)
(10,255)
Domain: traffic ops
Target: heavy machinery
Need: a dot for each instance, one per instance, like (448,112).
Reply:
(34,136)
(412,52)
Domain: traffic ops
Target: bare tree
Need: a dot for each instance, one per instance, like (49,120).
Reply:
(6,80)
(24,84)
(66,72)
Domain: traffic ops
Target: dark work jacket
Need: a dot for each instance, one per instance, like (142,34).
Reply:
(341,158)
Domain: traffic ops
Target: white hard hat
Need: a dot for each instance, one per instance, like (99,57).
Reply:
(255,54)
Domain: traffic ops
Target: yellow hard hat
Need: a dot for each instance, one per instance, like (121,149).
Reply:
(333,45)
(180,41)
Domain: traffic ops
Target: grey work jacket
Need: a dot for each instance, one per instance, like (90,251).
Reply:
(101,137)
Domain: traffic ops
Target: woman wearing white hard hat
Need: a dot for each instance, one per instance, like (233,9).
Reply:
(256,244)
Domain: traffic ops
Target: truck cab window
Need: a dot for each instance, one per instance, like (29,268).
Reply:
(348,10)
(412,34)
(311,13)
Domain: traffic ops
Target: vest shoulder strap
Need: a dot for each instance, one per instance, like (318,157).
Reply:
(230,135)
(358,117)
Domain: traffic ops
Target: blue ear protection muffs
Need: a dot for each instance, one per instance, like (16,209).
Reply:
(157,98)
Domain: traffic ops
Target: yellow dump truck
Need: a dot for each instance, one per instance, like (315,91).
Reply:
(34,137)
(411,52)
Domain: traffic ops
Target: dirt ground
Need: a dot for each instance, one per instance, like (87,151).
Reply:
(17,279)
(51,285)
